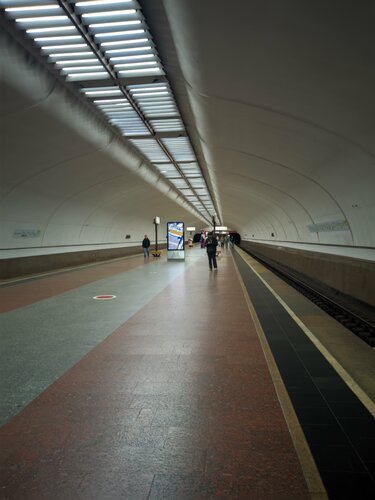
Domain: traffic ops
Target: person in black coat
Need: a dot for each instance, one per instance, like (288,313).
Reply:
(146,245)
(211,244)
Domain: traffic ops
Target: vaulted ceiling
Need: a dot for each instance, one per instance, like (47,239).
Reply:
(276,103)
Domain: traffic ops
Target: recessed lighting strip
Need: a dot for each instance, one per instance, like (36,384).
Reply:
(107,39)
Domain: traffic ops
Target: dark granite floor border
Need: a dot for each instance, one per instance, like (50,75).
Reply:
(338,428)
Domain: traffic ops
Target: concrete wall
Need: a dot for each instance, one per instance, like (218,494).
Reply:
(23,266)
(353,277)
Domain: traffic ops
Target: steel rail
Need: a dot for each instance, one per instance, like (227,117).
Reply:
(360,326)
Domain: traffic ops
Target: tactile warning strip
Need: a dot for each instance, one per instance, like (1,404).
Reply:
(339,429)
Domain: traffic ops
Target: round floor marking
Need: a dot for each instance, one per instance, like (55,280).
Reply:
(104,297)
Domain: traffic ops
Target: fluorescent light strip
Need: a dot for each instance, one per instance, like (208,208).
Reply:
(76,61)
(167,127)
(109,13)
(139,88)
(116,106)
(42,19)
(120,116)
(118,33)
(154,101)
(101,2)
(160,112)
(132,58)
(130,49)
(150,93)
(79,75)
(52,30)
(133,64)
(81,68)
(128,72)
(165,123)
(169,113)
(71,54)
(102,101)
(156,104)
(55,38)
(102,92)
(33,8)
(124,42)
(118,23)
(71,46)
(168,107)
(129,127)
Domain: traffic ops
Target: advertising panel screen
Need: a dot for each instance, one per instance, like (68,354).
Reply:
(175,236)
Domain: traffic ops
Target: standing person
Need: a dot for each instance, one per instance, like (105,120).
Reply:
(146,245)
(202,240)
(211,244)
(226,241)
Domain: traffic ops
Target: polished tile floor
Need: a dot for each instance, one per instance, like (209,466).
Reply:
(165,392)
(162,392)
(336,419)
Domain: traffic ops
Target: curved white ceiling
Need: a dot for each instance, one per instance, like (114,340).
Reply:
(277,98)
(66,177)
(282,96)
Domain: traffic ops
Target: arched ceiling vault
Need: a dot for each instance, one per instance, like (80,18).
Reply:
(276,97)
(279,98)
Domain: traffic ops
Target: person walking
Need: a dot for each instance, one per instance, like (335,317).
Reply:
(146,245)
(211,244)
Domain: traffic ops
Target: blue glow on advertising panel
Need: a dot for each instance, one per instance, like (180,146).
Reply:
(175,236)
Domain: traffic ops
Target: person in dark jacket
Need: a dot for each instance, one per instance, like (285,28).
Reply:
(211,244)
(146,245)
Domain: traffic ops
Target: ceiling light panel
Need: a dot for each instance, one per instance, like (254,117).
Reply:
(111,101)
(123,49)
(54,33)
(102,92)
(190,169)
(180,148)
(116,26)
(26,7)
(186,192)
(168,170)
(175,125)
(198,182)
(140,48)
(104,5)
(179,183)
(151,149)
(155,100)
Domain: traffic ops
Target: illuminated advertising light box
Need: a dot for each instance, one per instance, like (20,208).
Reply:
(175,236)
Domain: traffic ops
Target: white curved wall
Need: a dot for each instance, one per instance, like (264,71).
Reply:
(282,108)
(66,178)
(282,95)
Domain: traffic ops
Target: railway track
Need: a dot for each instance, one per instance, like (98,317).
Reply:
(358,323)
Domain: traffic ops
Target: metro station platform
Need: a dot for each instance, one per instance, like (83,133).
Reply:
(188,383)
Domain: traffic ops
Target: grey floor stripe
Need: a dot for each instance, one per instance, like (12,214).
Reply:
(41,341)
